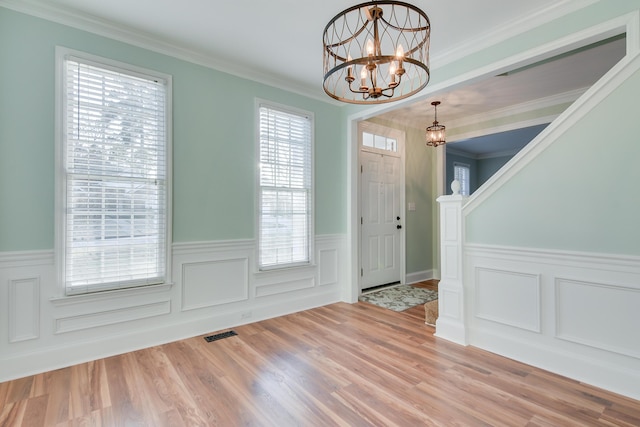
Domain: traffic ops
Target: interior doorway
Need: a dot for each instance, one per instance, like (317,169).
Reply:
(381,201)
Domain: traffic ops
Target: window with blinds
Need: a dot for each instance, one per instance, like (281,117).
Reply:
(461,174)
(285,187)
(113,176)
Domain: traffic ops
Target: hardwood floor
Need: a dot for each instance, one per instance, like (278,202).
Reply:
(418,311)
(342,364)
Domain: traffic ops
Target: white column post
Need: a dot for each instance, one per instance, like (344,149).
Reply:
(451,310)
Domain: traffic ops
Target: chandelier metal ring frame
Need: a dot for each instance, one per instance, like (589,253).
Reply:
(390,44)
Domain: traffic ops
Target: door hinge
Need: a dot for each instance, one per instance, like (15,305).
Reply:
(361,222)
(361,272)
(361,168)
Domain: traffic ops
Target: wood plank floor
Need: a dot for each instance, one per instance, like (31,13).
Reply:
(342,364)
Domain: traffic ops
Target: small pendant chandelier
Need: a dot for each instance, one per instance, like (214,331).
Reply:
(376,52)
(435,132)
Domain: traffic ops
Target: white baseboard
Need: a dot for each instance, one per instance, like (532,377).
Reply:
(418,276)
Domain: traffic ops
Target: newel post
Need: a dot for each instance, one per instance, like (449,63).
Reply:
(451,323)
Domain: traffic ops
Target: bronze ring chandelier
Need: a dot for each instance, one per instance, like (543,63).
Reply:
(376,52)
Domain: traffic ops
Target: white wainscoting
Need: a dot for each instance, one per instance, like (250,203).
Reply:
(576,314)
(580,311)
(24,309)
(215,286)
(508,297)
(214,282)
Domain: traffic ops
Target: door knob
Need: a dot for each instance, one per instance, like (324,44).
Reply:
(398,226)
(398,218)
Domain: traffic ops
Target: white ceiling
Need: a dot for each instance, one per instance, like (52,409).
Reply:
(280,41)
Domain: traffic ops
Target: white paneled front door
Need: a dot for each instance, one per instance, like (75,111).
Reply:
(381,220)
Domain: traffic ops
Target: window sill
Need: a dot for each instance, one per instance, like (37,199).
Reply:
(284,270)
(108,295)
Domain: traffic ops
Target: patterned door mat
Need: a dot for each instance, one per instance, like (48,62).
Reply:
(399,298)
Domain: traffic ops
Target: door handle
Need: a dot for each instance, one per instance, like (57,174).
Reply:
(398,218)
(398,226)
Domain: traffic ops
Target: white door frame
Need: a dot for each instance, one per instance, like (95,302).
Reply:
(400,137)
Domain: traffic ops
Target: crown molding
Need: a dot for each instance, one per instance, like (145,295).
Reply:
(509,30)
(466,154)
(525,107)
(459,153)
(497,154)
(154,43)
(504,128)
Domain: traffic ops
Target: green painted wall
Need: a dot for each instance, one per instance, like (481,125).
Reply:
(488,167)
(214,159)
(580,194)
(214,151)
(420,180)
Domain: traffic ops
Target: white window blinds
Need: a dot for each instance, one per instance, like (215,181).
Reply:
(114,177)
(285,181)
(461,174)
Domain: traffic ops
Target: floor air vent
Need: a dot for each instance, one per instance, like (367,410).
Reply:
(220,336)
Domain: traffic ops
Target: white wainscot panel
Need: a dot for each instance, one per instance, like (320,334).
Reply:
(449,302)
(282,286)
(451,232)
(111,317)
(598,315)
(24,309)
(328,268)
(508,297)
(451,262)
(215,282)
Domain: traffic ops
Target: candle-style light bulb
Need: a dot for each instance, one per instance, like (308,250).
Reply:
(400,55)
(349,68)
(392,72)
(363,77)
(369,47)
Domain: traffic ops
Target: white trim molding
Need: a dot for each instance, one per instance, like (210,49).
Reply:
(419,276)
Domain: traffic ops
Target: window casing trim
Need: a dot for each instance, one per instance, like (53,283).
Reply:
(258,104)
(60,196)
